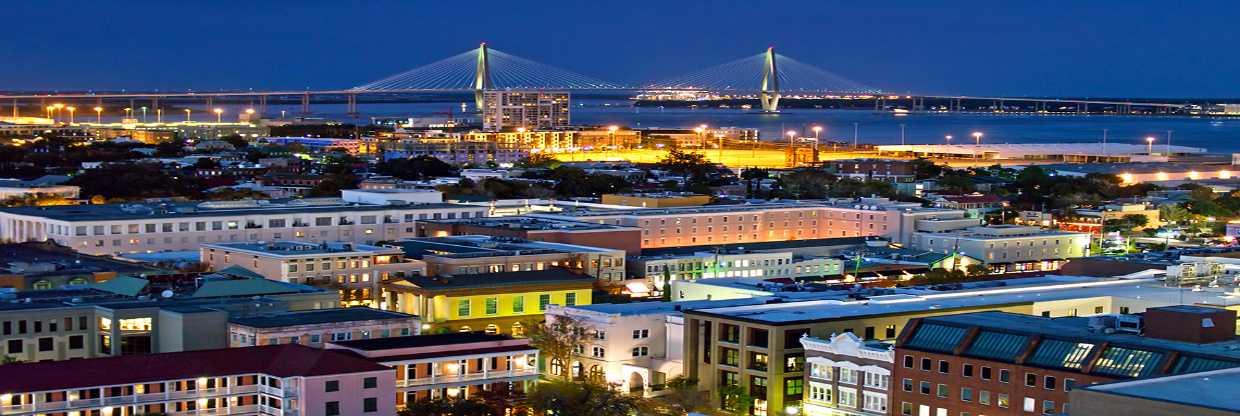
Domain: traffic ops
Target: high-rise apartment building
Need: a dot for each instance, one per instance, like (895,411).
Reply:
(533,110)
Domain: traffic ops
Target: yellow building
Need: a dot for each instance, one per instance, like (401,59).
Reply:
(491,302)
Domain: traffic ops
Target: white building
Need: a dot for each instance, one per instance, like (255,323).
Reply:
(847,376)
(171,226)
(1008,248)
(390,196)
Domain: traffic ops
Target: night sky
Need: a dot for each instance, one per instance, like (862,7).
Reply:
(1092,48)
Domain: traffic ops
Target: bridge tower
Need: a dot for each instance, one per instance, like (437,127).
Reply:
(770,83)
(482,76)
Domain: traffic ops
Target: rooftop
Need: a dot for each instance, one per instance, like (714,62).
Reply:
(1139,167)
(1149,290)
(285,360)
(294,248)
(114,212)
(43,259)
(1211,389)
(1017,150)
(502,279)
(474,246)
(415,341)
(321,316)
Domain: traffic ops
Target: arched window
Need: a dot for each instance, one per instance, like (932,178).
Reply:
(597,374)
(557,367)
(518,330)
(42,285)
(492,329)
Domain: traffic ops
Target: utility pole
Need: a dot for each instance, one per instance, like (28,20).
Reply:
(1104,143)
(1168,145)
(902,143)
(856,129)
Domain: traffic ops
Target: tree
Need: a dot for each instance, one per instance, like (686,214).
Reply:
(446,407)
(206,163)
(236,141)
(806,184)
(735,399)
(684,396)
(751,175)
(976,270)
(562,397)
(556,338)
(421,167)
(8,359)
(1172,213)
(692,166)
(925,169)
(538,161)
(1136,220)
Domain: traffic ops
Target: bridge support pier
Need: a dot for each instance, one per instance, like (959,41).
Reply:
(210,103)
(262,105)
(482,76)
(351,105)
(305,104)
(770,83)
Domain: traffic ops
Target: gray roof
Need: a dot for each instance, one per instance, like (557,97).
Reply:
(321,316)
(114,212)
(1211,389)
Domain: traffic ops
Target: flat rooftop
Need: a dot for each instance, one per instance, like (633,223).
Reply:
(415,341)
(662,308)
(1211,389)
(322,316)
(146,211)
(475,246)
(1019,150)
(294,248)
(1139,167)
(484,281)
(1148,290)
(38,259)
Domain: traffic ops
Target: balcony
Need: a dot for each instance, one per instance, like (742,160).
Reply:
(458,378)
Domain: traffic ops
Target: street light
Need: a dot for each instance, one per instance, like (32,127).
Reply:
(792,151)
(187,119)
(98,115)
(948,138)
(159,115)
(50,109)
(219,115)
(977,137)
(71,110)
(1149,142)
(817,130)
(611,133)
(128,112)
(144,114)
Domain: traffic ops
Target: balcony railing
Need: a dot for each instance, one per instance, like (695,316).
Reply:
(456,378)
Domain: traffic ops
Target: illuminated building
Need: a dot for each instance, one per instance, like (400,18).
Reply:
(528,109)
(1008,248)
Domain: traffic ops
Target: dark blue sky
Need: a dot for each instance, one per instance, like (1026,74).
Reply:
(1090,48)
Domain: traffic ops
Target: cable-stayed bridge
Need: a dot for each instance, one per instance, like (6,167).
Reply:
(767,76)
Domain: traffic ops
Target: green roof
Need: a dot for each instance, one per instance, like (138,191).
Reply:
(1189,364)
(935,337)
(1054,353)
(214,288)
(123,285)
(239,271)
(997,345)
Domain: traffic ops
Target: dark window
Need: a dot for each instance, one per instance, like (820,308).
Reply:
(47,344)
(908,384)
(890,331)
(945,367)
(51,326)
(69,324)
(968,370)
(15,346)
(1005,376)
(1048,383)
(76,342)
(331,408)
(869,332)
(38,327)
(1031,380)
(370,405)
(81,323)
(792,337)
(370,382)
(758,337)
(21,327)
(925,387)
(331,385)
(986,373)
(926,364)
(8,327)
(908,361)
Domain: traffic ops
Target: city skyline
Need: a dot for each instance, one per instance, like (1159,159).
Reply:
(1101,49)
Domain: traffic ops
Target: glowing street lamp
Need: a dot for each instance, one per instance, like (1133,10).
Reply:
(98,115)
(187,119)
(977,137)
(128,112)
(144,114)
(50,109)
(611,133)
(159,115)
(948,138)
(219,115)
(71,110)
(1149,142)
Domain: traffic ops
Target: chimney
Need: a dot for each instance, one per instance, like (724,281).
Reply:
(1195,324)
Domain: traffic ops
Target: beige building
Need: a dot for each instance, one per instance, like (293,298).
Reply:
(780,221)
(134,228)
(356,269)
(1008,248)
(657,200)
(318,327)
(533,110)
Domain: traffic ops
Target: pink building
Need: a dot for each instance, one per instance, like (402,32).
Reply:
(284,379)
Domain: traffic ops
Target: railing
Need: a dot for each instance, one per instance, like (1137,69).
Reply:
(465,377)
(150,398)
(85,402)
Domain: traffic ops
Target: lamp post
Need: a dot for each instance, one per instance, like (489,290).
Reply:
(49,112)
(1149,144)
(611,135)
(143,114)
(128,112)
(792,150)
(902,141)
(159,115)
(187,119)
(58,107)
(948,138)
(817,131)
(71,110)
(977,137)
(219,115)
(98,115)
